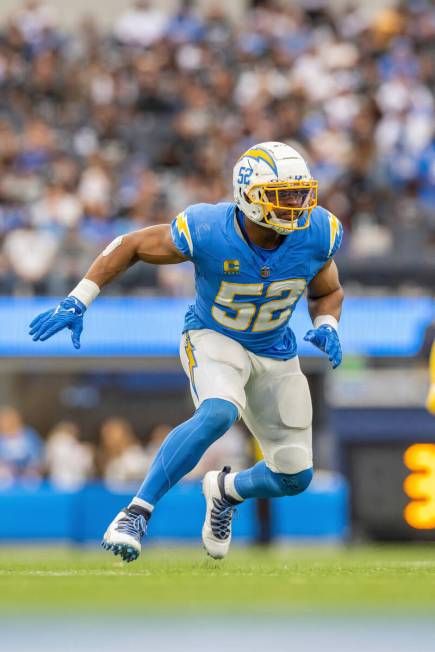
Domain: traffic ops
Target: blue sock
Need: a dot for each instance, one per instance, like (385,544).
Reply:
(260,482)
(185,445)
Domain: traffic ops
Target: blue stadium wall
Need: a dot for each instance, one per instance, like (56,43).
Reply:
(371,326)
(51,515)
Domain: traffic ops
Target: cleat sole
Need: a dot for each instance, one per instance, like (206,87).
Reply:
(212,556)
(126,552)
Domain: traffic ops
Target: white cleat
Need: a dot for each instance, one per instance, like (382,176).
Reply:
(216,531)
(124,535)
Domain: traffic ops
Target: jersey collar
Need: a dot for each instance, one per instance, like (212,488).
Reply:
(258,263)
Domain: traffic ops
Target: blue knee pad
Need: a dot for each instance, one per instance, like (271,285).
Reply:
(261,482)
(294,483)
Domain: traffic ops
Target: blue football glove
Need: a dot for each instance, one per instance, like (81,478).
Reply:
(68,314)
(326,339)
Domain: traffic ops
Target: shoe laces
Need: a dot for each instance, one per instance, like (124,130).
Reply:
(221,518)
(134,525)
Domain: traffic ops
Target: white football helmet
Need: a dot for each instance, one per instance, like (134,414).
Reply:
(273,187)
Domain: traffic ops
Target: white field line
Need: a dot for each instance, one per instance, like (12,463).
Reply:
(121,571)
(72,573)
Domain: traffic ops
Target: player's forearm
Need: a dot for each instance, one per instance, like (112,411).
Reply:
(328,304)
(118,256)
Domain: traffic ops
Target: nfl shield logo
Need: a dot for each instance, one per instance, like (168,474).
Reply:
(265,272)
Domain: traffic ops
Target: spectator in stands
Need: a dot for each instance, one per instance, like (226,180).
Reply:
(69,462)
(121,457)
(21,449)
(30,253)
(141,25)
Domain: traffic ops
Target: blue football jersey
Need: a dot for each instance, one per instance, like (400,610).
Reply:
(238,292)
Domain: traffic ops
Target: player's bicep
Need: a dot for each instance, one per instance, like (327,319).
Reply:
(156,245)
(325,282)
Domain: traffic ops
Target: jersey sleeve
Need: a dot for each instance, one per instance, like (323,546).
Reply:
(333,235)
(185,230)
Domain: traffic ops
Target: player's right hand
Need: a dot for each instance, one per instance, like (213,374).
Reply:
(67,314)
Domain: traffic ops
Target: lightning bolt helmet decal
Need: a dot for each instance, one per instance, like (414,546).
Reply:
(260,154)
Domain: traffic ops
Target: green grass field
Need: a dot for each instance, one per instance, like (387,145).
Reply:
(278,580)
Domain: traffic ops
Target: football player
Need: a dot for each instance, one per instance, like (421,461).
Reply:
(253,259)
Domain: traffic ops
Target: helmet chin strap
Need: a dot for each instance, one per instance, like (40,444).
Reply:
(276,227)
(273,227)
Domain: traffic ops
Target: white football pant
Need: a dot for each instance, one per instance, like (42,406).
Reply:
(272,395)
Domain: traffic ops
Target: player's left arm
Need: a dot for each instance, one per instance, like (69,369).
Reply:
(325,298)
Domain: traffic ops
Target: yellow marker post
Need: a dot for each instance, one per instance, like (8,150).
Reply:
(420,486)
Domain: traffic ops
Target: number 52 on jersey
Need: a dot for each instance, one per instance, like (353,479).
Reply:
(264,316)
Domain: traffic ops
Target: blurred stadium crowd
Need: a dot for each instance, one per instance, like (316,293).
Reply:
(118,456)
(103,133)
